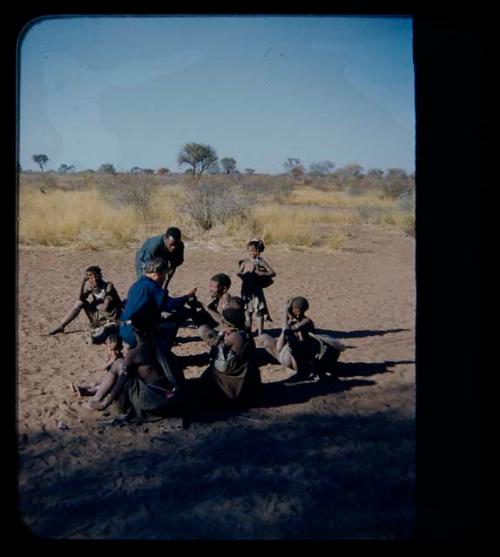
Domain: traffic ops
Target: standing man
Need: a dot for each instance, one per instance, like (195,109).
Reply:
(168,246)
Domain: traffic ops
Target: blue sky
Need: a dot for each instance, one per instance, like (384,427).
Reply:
(131,91)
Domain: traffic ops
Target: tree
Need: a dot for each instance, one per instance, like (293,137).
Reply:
(135,169)
(162,171)
(228,164)
(65,168)
(291,163)
(197,155)
(107,168)
(214,169)
(375,173)
(298,172)
(249,170)
(41,160)
(396,174)
(321,168)
(353,170)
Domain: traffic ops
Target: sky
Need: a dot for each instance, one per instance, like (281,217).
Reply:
(131,91)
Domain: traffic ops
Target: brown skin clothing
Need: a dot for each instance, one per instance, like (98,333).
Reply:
(233,368)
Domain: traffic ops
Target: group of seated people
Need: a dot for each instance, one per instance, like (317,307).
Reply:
(143,377)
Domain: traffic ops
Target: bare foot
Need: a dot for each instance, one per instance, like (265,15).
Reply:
(83,390)
(96,405)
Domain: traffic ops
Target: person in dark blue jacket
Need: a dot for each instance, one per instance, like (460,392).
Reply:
(168,246)
(147,301)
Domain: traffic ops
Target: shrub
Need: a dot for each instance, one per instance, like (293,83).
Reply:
(215,202)
(133,190)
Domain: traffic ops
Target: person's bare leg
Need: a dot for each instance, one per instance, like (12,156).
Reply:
(248,320)
(268,343)
(113,395)
(107,383)
(83,390)
(72,314)
(260,324)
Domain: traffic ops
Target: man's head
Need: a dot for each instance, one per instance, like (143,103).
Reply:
(172,238)
(156,269)
(219,284)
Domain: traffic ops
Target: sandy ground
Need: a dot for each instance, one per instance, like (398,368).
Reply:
(313,460)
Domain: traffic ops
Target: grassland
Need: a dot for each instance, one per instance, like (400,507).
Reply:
(99,211)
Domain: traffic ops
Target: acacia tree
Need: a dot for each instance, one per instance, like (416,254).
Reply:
(65,168)
(228,164)
(291,163)
(321,168)
(107,168)
(197,155)
(41,160)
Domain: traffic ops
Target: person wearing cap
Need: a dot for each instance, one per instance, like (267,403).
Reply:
(168,246)
(233,374)
(98,299)
(147,300)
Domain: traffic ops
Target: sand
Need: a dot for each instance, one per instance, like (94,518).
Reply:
(313,460)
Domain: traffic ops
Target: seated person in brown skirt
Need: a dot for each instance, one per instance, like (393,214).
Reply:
(233,374)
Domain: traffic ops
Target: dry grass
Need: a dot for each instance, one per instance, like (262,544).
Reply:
(83,214)
(331,198)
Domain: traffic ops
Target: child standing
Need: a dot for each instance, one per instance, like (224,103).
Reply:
(255,274)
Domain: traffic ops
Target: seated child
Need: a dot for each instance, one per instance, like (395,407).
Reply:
(112,368)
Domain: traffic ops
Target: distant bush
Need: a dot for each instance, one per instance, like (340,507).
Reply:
(277,188)
(215,202)
(133,190)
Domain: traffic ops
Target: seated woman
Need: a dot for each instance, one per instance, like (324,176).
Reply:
(233,375)
(100,302)
(299,347)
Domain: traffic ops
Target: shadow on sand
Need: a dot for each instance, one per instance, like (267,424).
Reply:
(305,476)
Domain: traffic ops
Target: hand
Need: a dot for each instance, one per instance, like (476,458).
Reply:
(191,292)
